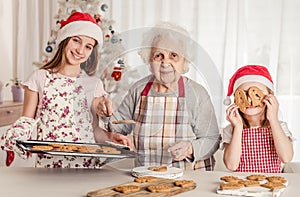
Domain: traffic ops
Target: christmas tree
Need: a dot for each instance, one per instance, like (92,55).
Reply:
(113,70)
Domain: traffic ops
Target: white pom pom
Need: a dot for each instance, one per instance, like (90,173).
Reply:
(227,101)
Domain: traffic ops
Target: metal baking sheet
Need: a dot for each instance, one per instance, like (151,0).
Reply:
(122,152)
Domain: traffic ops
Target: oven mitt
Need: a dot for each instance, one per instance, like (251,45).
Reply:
(181,150)
(20,130)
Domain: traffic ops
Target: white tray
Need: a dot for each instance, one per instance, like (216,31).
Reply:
(252,191)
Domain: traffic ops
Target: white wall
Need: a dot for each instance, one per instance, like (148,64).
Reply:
(6,40)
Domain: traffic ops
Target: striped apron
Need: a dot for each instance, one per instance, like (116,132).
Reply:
(161,122)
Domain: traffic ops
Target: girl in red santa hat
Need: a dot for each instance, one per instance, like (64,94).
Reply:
(63,95)
(256,140)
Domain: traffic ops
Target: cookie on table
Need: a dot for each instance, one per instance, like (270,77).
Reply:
(158,168)
(145,179)
(126,189)
(273,185)
(278,179)
(256,177)
(249,183)
(160,188)
(230,179)
(185,183)
(231,185)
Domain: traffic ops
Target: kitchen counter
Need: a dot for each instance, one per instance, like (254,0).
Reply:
(33,182)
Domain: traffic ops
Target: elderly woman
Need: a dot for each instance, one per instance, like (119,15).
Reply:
(175,123)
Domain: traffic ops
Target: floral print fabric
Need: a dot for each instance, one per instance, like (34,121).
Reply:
(65,117)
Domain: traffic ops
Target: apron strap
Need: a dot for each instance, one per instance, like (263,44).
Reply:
(147,87)
(180,87)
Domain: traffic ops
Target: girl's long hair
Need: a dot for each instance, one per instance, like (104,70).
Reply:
(89,66)
(55,62)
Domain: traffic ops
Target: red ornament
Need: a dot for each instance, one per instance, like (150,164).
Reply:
(107,37)
(117,74)
(97,18)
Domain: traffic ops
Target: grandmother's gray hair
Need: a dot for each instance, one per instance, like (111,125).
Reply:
(167,30)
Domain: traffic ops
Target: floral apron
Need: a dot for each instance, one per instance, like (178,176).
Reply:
(162,121)
(65,117)
(258,151)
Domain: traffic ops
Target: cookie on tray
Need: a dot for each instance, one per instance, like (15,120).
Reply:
(230,179)
(56,145)
(249,183)
(231,185)
(278,179)
(273,185)
(145,179)
(65,147)
(82,149)
(42,147)
(110,150)
(158,168)
(256,177)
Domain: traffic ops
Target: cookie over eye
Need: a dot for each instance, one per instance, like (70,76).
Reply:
(256,96)
(240,99)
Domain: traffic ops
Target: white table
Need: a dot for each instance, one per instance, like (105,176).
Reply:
(33,182)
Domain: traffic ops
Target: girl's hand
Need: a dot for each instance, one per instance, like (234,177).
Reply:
(121,139)
(233,115)
(272,107)
(103,106)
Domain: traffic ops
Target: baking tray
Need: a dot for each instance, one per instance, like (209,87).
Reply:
(81,149)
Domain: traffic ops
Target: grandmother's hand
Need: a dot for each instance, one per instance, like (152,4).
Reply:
(181,150)
(103,106)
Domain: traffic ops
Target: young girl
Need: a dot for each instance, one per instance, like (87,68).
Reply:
(63,96)
(255,140)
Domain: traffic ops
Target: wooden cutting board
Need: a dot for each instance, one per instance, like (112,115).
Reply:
(109,191)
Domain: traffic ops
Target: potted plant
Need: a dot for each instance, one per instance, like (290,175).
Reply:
(16,89)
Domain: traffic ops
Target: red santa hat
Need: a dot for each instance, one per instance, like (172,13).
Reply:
(249,73)
(80,24)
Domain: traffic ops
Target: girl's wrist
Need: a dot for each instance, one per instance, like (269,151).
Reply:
(238,125)
(274,120)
